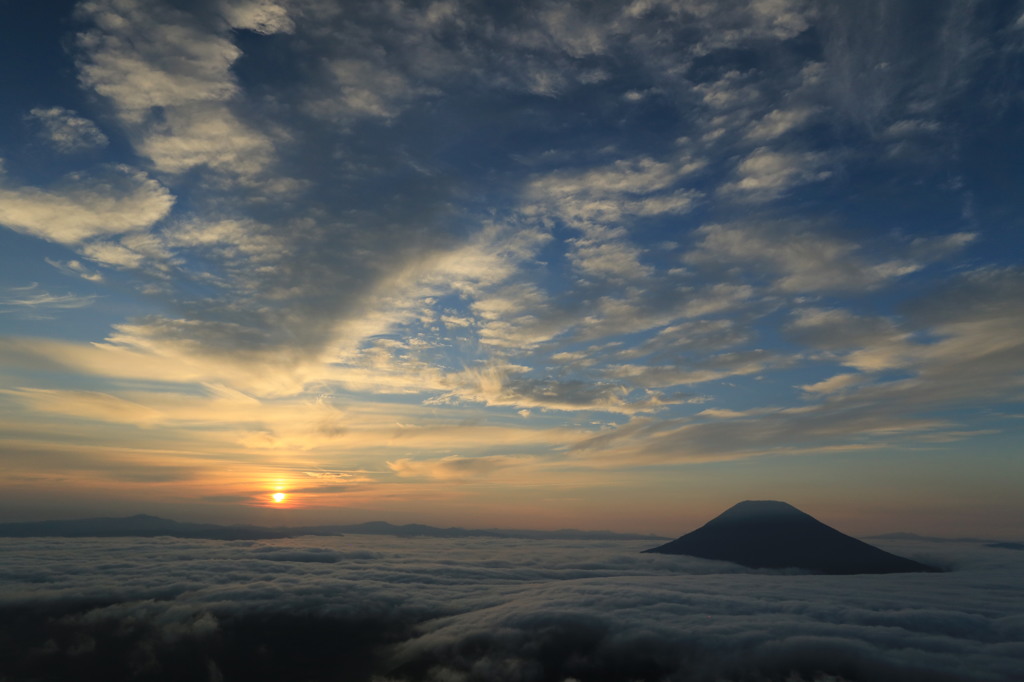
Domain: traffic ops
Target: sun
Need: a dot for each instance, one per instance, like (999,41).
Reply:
(278,498)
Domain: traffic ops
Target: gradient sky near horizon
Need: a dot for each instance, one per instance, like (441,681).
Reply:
(537,264)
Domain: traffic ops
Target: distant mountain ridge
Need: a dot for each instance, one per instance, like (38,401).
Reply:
(139,525)
(772,534)
(988,542)
(144,525)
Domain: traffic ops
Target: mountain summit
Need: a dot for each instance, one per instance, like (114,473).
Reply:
(769,534)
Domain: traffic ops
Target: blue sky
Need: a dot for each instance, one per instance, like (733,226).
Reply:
(593,264)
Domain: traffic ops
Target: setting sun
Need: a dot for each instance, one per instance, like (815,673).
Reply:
(278,497)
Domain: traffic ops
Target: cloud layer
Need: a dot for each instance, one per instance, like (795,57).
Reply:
(379,608)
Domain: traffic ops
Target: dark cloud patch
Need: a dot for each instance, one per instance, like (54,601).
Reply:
(888,58)
(393,610)
(154,474)
(156,642)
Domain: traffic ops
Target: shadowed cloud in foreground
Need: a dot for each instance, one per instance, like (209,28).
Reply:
(387,609)
(769,534)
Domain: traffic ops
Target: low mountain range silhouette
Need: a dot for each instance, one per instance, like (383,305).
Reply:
(139,525)
(769,534)
(145,525)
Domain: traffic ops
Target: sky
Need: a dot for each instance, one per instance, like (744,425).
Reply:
(604,265)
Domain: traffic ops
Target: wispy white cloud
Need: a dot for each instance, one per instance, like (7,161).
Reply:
(67,131)
(835,328)
(912,126)
(805,259)
(766,174)
(961,358)
(33,298)
(116,201)
(455,467)
(779,122)
(265,17)
(610,260)
(75,268)
(509,385)
(636,310)
(198,135)
(169,77)
(628,187)
(91,405)
(131,251)
(150,55)
(366,89)
(229,239)
(696,335)
(836,383)
(732,91)
(711,368)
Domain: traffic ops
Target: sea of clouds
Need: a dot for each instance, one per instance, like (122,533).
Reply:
(384,609)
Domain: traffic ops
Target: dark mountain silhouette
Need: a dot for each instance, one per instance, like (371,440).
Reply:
(144,525)
(420,530)
(408,530)
(924,538)
(140,525)
(767,534)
